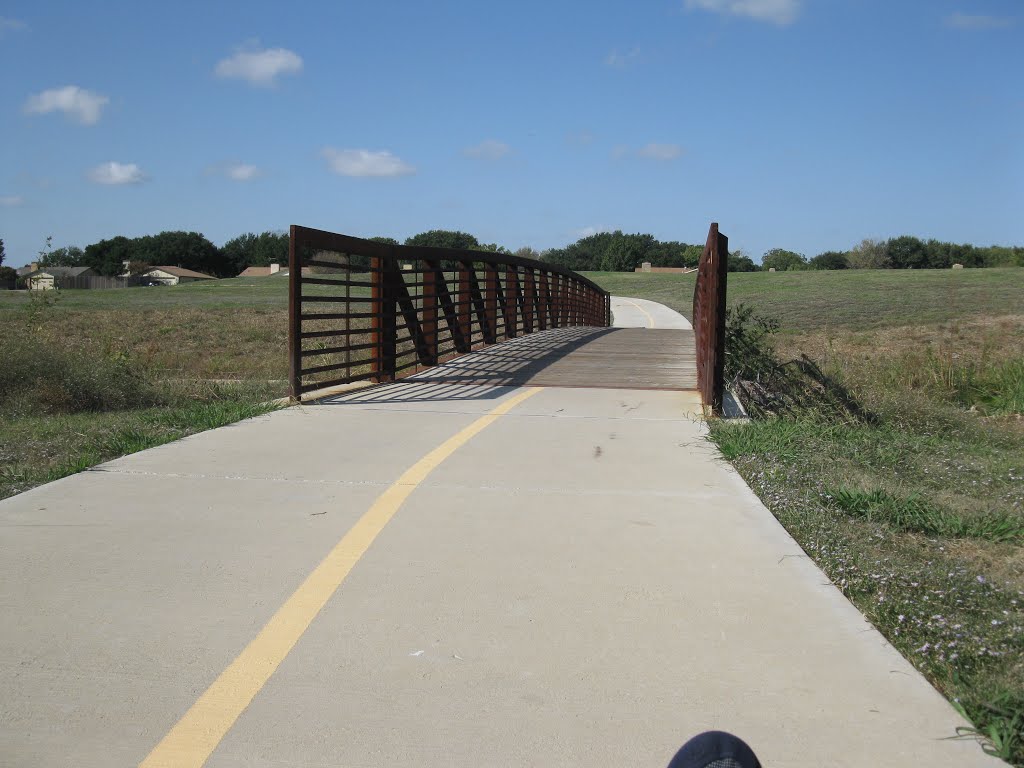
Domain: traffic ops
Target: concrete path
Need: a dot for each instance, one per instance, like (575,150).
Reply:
(395,577)
(642,313)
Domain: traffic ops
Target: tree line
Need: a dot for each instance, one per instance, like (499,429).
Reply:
(904,252)
(604,251)
(193,250)
(618,252)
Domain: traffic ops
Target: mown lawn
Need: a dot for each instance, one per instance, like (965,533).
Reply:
(912,499)
(860,299)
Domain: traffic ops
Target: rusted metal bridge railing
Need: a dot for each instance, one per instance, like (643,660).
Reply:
(709,319)
(362,309)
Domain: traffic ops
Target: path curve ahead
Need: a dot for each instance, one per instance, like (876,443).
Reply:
(437,574)
(628,312)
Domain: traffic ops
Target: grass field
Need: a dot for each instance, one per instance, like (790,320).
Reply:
(863,299)
(915,507)
(92,375)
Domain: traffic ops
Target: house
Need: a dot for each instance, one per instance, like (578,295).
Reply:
(172,276)
(48,278)
(273,269)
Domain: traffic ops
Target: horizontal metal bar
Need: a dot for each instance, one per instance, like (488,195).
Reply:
(336,366)
(338,332)
(337,350)
(336,382)
(340,316)
(326,300)
(341,265)
(340,283)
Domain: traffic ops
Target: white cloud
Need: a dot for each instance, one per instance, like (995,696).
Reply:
(241,172)
(781,12)
(8,24)
(11,201)
(663,152)
(488,150)
(260,67)
(620,60)
(966,21)
(77,103)
(115,173)
(365,162)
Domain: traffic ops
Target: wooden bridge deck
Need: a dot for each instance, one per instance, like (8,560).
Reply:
(606,358)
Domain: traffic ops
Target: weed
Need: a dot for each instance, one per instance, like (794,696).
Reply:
(916,514)
(1002,735)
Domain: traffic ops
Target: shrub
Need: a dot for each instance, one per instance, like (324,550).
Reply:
(42,376)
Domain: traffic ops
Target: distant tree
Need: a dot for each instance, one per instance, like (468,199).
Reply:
(997,256)
(8,278)
(3,253)
(906,252)
(138,268)
(527,253)
(240,251)
(445,238)
(782,260)
(740,262)
(385,240)
(868,254)
(108,257)
(251,250)
(190,250)
(68,256)
(183,249)
(493,248)
(691,256)
(830,260)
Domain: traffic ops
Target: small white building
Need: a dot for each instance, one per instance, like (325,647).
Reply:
(173,276)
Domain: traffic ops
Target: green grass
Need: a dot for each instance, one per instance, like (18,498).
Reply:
(37,449)
(843,299)
(916,514)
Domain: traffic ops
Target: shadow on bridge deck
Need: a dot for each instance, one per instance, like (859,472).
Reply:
(605,358)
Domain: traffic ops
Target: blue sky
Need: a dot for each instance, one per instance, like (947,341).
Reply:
(801,124)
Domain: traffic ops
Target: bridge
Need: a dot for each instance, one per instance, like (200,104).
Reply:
(514,553)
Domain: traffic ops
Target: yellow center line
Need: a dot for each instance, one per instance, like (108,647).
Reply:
(192,740)
(650,320)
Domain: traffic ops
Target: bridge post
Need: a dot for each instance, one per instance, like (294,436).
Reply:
(294,315)
(542,301)
(383,332)
(709,319)
(429,323)
(464,308)
(511,305)
(491,302)
(529,299)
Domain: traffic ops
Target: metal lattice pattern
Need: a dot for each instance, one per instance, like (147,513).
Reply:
(359,309)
